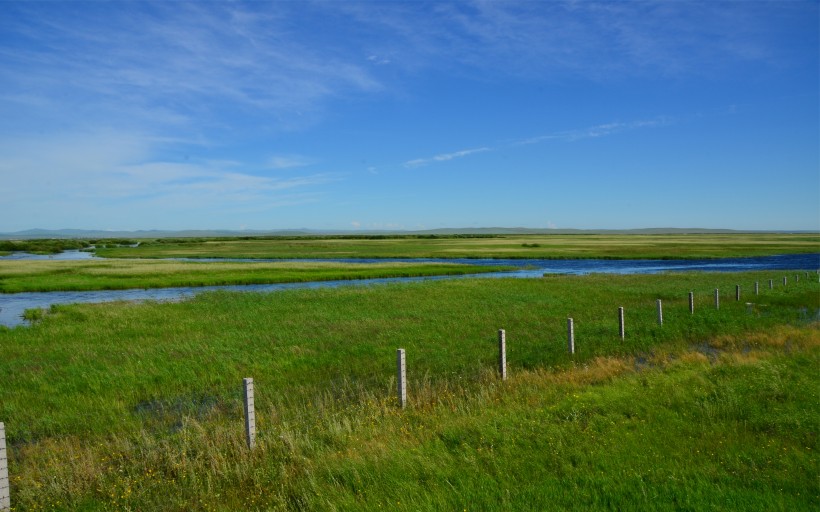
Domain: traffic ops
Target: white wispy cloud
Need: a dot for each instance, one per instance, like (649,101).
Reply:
(110,175)
(445,157)
(598,40)
(590,132)
(600,130)
(289,161)
(184,57)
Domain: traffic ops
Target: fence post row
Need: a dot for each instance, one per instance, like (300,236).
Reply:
(570,336)
(250,413)
(5,495)
(660,312)
(502,354)
(401,377)
(621,327)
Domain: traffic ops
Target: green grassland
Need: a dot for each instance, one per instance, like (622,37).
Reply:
(98,274)
(138,406)
(499,246)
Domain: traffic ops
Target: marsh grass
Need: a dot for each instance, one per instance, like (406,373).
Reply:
(497,246)
(138,406)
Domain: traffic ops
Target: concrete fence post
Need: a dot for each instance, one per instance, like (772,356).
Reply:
(691,303)
(785,281)
(250,413)
(737,292)
(401,377)
(502,354)
(5,494)
(570,336)
(717,298)
(757,288)
(621,327)
(797,278)
(660,312)
(771,284)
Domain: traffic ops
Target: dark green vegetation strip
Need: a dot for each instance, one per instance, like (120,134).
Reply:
(500,246)
(54,246)
(139,405)
(44,276)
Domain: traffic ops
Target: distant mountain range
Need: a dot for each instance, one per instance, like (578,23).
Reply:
(208,233)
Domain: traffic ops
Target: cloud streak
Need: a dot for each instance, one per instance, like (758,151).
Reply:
(289,161)
(592,132)
(445,157)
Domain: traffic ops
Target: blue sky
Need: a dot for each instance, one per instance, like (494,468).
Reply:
(409,115)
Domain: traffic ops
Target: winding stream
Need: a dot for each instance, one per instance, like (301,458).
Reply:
(13,305)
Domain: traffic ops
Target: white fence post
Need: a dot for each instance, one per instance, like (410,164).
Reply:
(660,312)
(691,303)
(771,284)
(250,413)
(502,354)
(737,292)
(570,336)
(785,281)
(717,298)
(621,327)
(757,288)
(401,377)
(5,494)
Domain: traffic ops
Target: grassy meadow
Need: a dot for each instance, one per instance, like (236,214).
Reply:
(108,274)
(139,406)
(495,246)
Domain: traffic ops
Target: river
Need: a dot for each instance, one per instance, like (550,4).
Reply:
(12,305)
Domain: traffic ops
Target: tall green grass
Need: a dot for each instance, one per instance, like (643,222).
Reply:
(43,276)
(138,406)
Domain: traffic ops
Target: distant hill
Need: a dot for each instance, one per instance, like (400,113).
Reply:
(94,234)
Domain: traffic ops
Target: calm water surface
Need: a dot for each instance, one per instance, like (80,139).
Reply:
(63,256)
(13,305)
